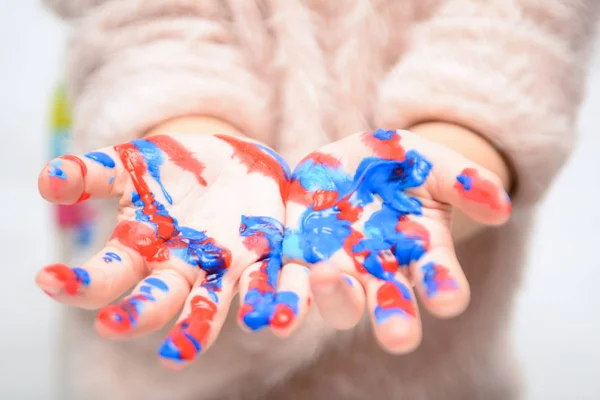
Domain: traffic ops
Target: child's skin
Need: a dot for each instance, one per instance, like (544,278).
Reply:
(213,198)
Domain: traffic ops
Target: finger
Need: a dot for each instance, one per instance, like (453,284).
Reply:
(434,269)
(262,304)
(394,313)
(292,300)
(339,297)
(104,277)
(72,179)
(199,324)
(452,178)
(152,304)
(458,181)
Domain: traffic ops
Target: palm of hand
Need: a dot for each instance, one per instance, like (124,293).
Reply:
(374,219)
(198,213)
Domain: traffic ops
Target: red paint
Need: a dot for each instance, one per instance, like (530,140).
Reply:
(116,318)
(256,160)
(259,280)
(135,164)
(358,258)
(84,195)
(298,194)
(283,316)
(323,199)
(483,191)
(66,275)
(389,296)
(198,325)
(349,212)
(181,156)
(386,149)
(141,238)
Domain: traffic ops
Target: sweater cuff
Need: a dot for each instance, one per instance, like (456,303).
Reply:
(513,84)
(135,64)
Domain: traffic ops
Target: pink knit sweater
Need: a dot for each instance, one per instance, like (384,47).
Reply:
(298,74)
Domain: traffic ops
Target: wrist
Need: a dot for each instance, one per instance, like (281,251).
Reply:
(199,125)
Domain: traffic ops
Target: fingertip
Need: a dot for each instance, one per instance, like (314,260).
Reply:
(399,334)
(482,196)
(61,181)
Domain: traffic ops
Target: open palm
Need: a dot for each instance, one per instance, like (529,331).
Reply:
(198,215)
(370,215)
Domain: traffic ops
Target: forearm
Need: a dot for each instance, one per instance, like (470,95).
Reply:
(475,148)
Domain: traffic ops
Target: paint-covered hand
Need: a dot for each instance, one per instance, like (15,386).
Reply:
(370,215)
(200,216)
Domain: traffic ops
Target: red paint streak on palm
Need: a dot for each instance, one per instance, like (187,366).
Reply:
(197,325)
(258,161)
(298,194)
(386,149)
(66,275)
(141,238)
(135,164)
(483,191)
(181,156)
(389,296)
(84,195)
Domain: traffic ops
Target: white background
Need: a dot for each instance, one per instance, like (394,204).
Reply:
(557,327)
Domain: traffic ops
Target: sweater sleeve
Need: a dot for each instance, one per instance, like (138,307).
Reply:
(512,71)
(135,63)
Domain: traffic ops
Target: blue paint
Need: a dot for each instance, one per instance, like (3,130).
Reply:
(154,160)
(348,280)
(169,349)
(264,305)
(111,180)
(149,284)
(321,233)
(110,257)
(82,276)
(383,134)
(101,158)
(55,171)
(465,180)
(157,283)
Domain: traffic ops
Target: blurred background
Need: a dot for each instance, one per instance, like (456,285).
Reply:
(556,327)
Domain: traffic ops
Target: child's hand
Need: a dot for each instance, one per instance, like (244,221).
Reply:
(197,214)
(371,215)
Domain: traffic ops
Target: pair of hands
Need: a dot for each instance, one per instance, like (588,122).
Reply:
(364,220)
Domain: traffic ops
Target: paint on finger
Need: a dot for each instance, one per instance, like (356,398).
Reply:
(263,305)
(394,298)
(101,158)
(55,170)
(110,256)
(72,279)
(191,335)
(437,278)
(473,187)
(123,316)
